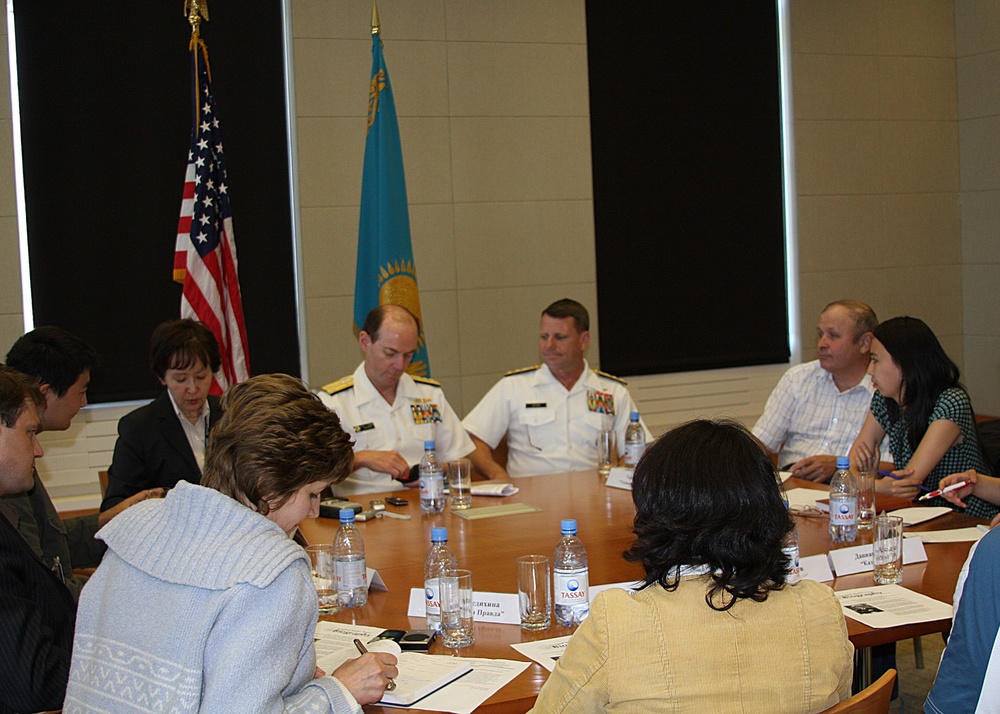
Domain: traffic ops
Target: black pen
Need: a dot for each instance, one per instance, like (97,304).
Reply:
(364,650)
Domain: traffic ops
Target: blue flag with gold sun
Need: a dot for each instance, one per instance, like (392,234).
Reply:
(385,273)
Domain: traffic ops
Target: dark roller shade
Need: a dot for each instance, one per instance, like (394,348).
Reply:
(685,130)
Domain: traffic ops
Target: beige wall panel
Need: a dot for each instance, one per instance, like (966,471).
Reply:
(418,72)
(440,309)
(919,156)
(333,349)
(10,273)
(918,88)
(981,226)
(835,86)
(835,230)
(504,79)
(452,387)
(401,19)
(8,203)
(499,327)
(524,243)
(432,235)
(11,327)
(426,159)
(936,297)
(977,26)
(331,158)
(544,21)
(982,305)
(329,250)
(916,27)
(837,157)
(918,229)
(521,159)
(982,372)
(840,27)
(979,139)
(5,108)
(332,76)
(978,89)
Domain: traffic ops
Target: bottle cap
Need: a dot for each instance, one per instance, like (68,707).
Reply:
(568,525)
(438,534)
(843,462)
(634,416)
(429,445)
(347,515)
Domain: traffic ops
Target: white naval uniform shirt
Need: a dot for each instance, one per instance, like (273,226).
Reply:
(420,413)
(551,429)
(806,415)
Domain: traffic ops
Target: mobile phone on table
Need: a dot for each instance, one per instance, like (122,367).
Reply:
(419,640)
(396,501)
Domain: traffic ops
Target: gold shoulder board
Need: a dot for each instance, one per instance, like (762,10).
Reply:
(427,380)
(522,370)
(339,386)
(610,376)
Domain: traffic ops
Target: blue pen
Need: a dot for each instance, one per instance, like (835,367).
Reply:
(897,478)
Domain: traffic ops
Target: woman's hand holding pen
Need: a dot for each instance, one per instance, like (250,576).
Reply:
(900,483)
(970,477)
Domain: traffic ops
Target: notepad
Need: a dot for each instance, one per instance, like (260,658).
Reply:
(419,674)
(422,674)
(492,488)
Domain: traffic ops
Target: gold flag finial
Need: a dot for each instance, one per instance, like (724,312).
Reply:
(196,11)
(375,23)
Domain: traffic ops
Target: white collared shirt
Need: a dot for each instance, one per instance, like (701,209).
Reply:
(197,433)
(549,428)
(419,413)
(807,415)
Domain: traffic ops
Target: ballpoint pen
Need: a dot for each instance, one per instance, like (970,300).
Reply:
(947,489)
(364,650)
(894,477)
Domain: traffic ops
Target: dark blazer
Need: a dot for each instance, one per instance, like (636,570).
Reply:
(37,617)
(152,451)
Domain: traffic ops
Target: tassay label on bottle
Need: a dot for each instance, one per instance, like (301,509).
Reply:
(843,511)
(572,588)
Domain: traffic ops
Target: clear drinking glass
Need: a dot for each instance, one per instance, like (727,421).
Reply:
(867,469)
(607,451)
(888,550)
(457,627)
(460,484)
(534,592)
(324,577)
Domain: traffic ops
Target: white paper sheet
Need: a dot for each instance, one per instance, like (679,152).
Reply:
(951,535)
(891,605)
(545,652)
(465,694)
(804,496)
(918,514)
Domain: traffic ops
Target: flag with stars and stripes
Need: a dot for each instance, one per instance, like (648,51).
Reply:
(205,257)
(385,273)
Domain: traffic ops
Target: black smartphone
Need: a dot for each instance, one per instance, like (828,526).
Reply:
(396,501)
(395,635)
(417,640)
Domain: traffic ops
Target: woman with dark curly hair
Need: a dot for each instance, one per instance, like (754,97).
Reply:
(714,626)
(926,412)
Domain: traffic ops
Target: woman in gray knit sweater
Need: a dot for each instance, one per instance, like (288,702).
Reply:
(203,602)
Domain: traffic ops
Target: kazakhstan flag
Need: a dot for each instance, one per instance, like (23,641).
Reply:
(385,274)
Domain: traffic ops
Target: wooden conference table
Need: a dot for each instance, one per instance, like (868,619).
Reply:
(489,547)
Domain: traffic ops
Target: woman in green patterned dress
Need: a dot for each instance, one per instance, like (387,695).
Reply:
(926,412)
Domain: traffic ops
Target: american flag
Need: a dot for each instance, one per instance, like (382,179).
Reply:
(205,257)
